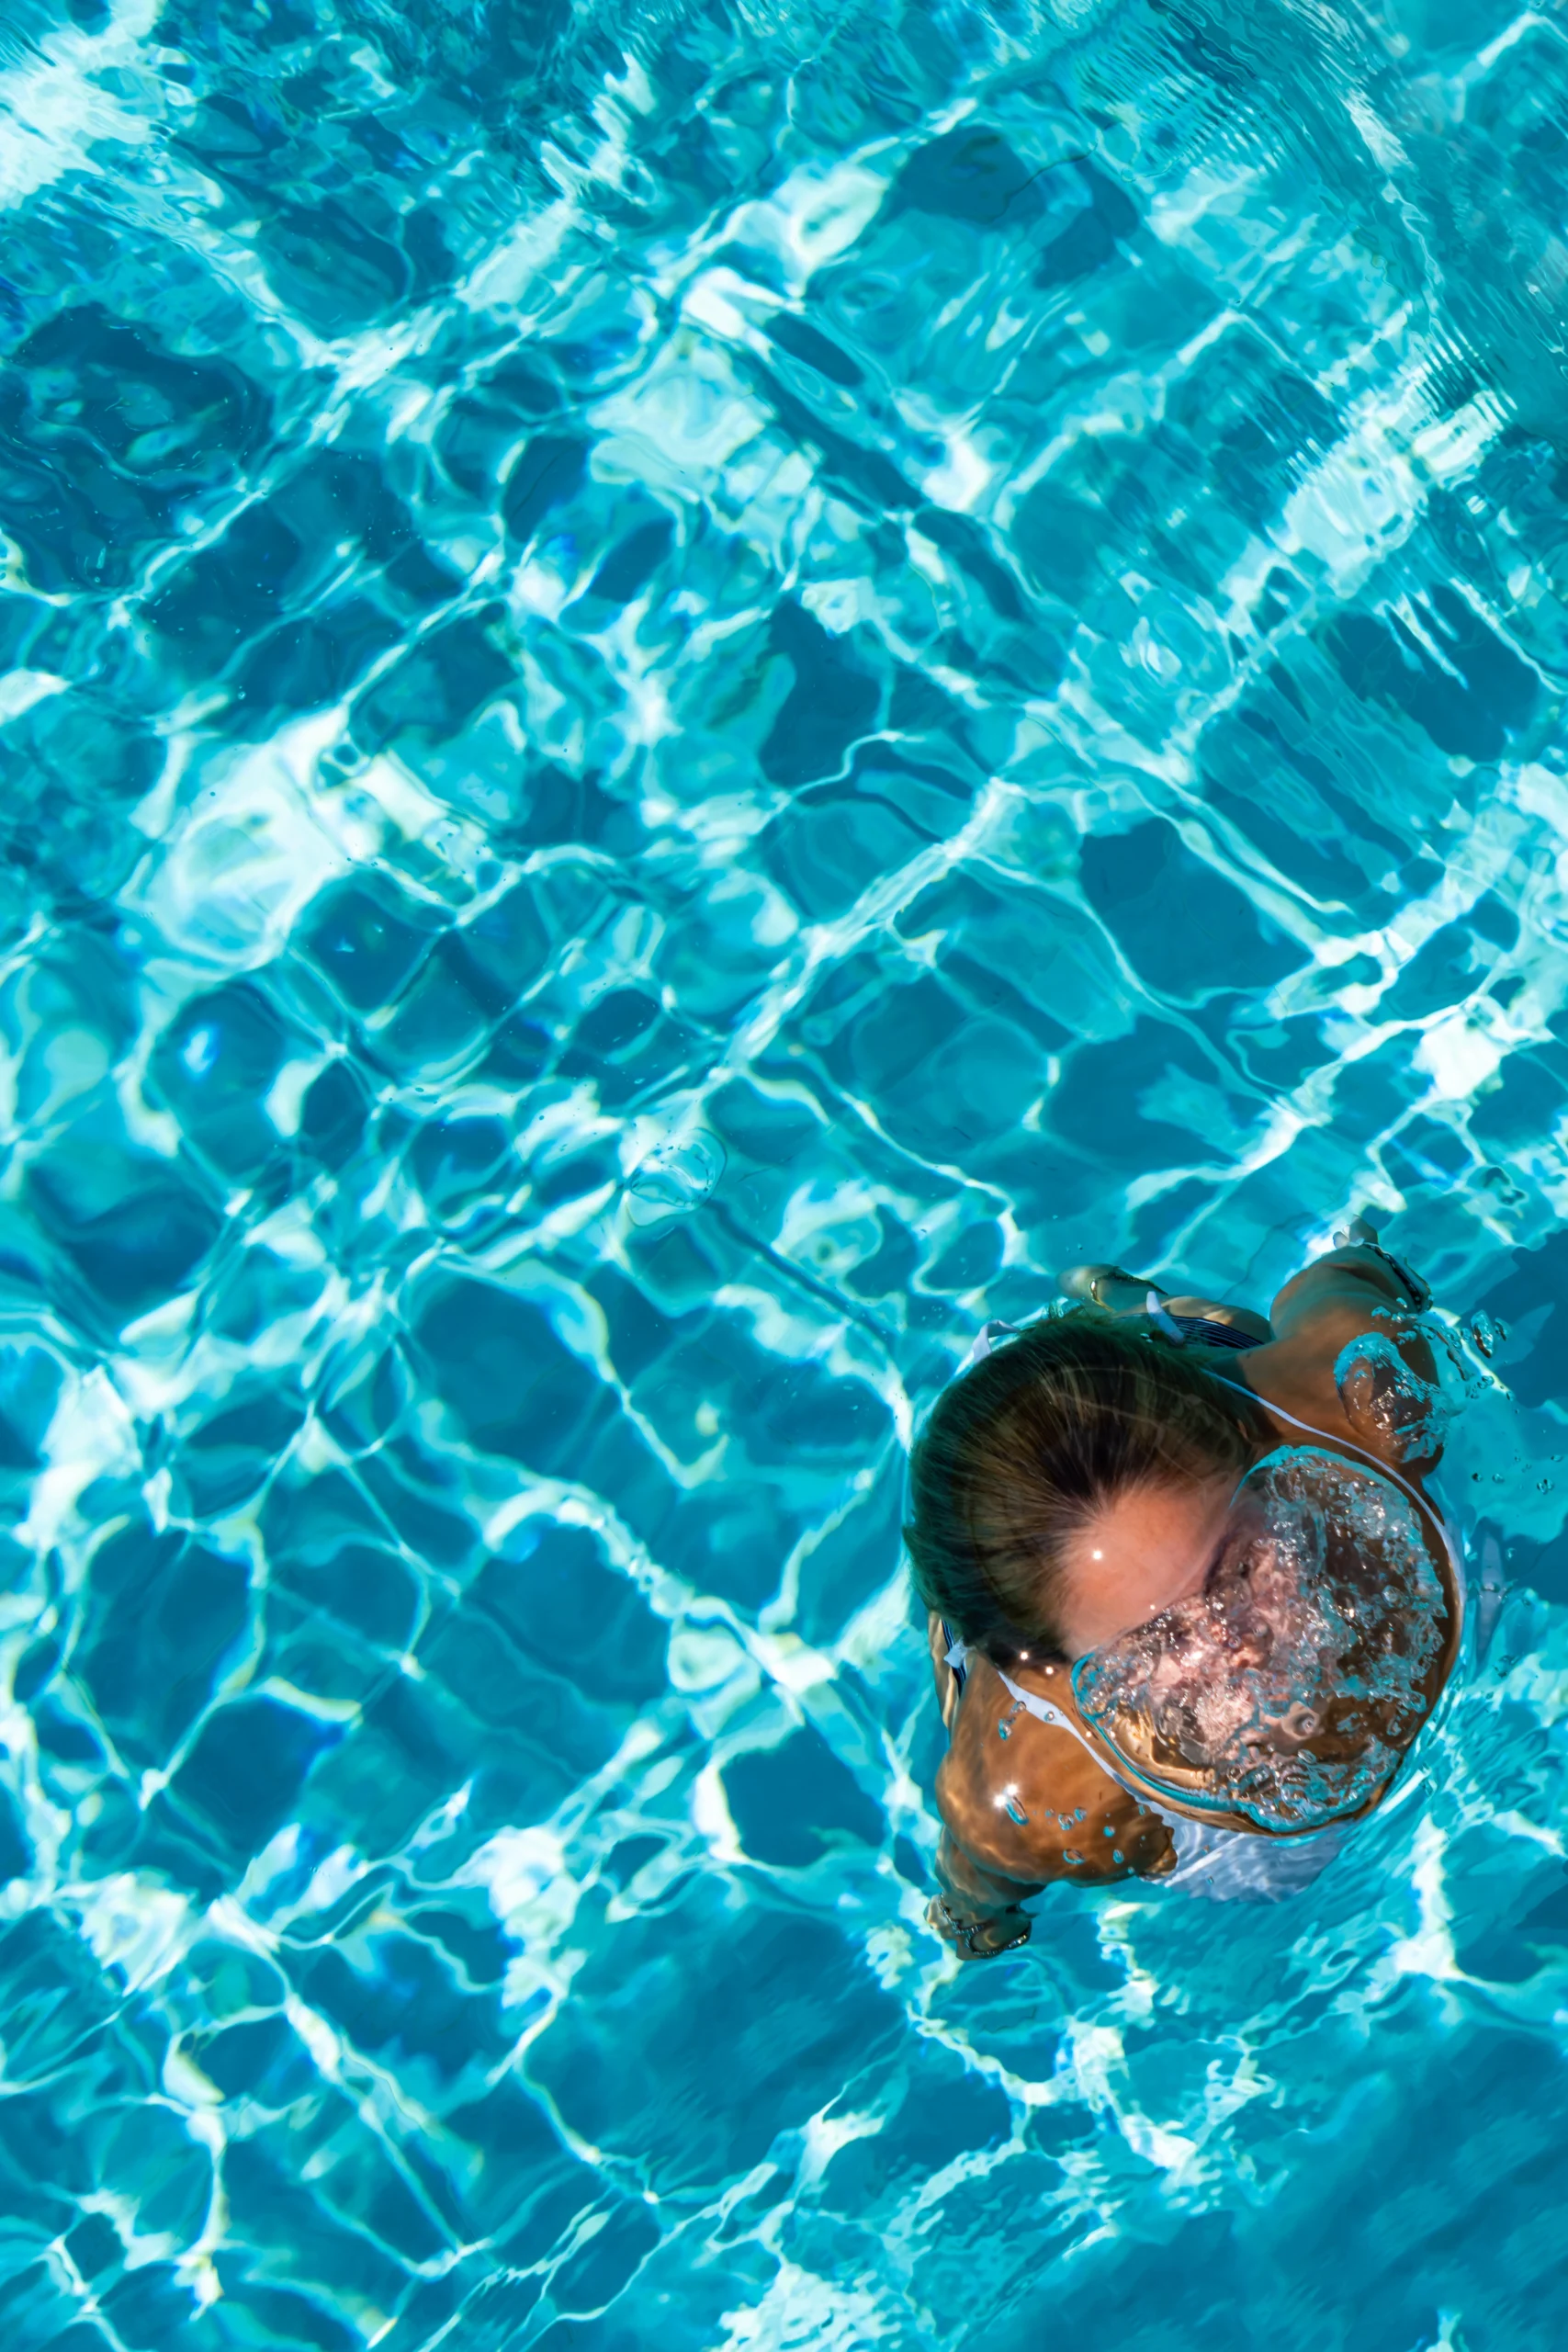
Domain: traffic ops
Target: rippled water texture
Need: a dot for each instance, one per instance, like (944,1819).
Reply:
(686,693)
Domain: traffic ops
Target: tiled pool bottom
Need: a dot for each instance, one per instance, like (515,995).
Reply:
(684,695)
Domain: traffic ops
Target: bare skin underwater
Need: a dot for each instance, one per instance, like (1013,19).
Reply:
(1025,1802)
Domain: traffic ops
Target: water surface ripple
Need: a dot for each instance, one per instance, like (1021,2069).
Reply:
(684,692)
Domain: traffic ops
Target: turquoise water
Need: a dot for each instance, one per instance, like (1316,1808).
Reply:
(686,693)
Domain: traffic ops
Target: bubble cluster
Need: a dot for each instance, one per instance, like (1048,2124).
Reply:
(1388,1400)
(1287,1689)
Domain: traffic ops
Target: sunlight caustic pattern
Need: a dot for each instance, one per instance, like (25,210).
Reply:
(684,693)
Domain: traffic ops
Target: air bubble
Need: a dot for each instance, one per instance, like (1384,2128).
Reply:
(1485,1335)
(1376,1385)
(677,1175)
(1330,1612)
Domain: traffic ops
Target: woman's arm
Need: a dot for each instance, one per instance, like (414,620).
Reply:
(1021,1813)
(1349,1356)
(1354,1277)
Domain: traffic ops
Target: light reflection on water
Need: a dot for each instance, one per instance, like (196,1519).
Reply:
(686,695)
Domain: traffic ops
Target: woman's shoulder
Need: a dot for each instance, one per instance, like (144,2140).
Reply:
(1292,1378)
(1364,1386)
(1028,1800)
(1356,1376)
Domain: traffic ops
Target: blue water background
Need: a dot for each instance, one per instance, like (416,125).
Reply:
(686,693)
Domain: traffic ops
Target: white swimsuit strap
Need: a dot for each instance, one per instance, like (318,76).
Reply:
(1045,1712)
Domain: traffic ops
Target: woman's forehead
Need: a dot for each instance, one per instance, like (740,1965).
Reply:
(1139,1553)
(1157,1513)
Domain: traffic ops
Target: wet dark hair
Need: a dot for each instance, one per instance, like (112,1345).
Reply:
(1021,1450)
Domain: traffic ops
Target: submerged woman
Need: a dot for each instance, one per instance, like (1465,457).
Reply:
(1190,1600)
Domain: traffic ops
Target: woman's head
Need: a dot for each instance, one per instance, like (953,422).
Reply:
(1072,1483)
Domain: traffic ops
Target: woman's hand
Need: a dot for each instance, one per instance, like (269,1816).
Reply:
(978,1935)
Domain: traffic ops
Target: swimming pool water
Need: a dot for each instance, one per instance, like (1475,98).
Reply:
(686,693)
